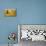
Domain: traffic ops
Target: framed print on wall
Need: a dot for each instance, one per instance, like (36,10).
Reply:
(10,12)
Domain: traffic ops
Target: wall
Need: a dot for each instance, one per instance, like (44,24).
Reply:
(28,12)
(33,12)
